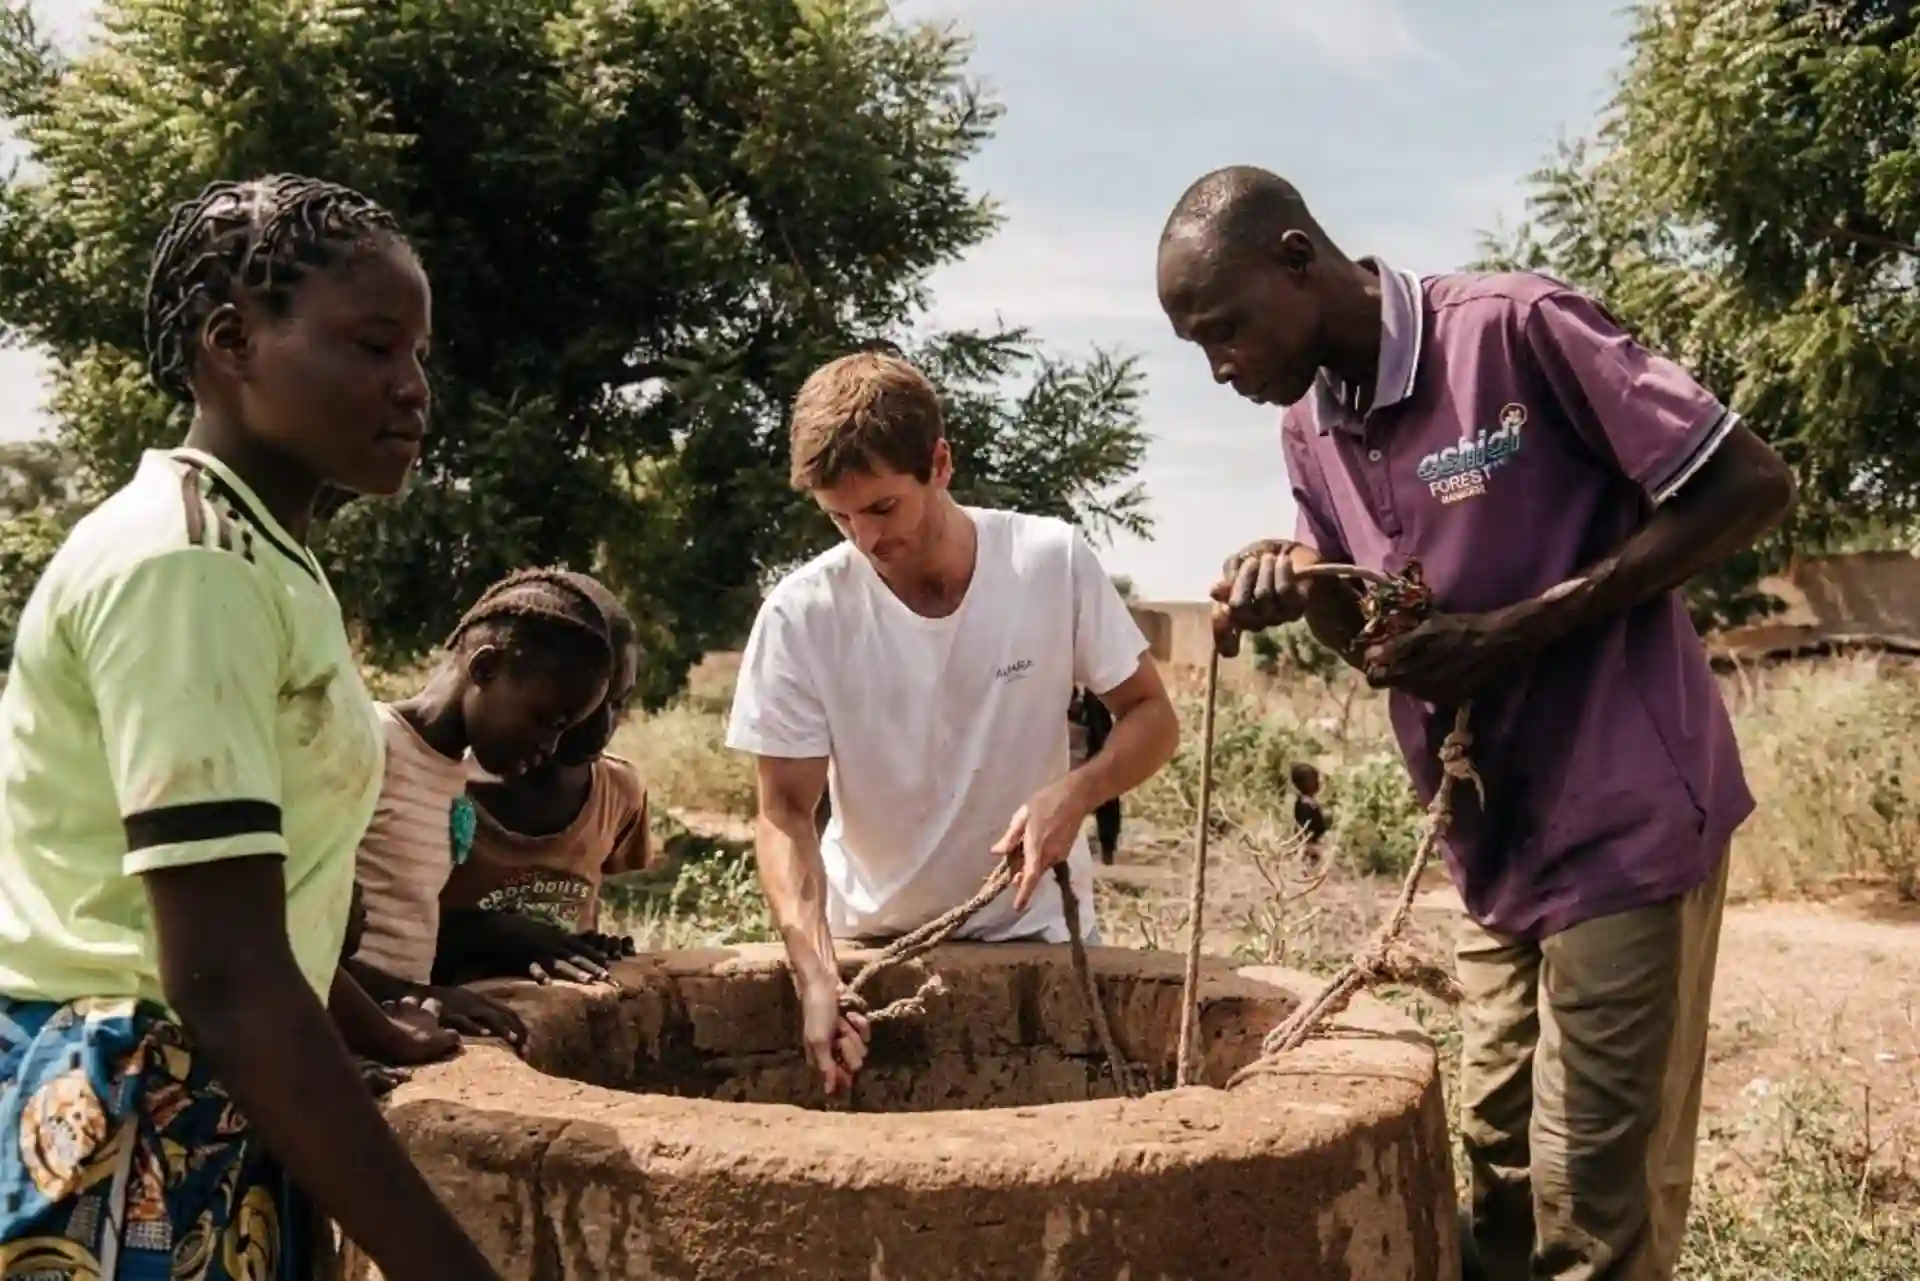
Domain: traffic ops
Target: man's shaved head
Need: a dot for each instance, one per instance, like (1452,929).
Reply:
(1245,273)
(1240,209)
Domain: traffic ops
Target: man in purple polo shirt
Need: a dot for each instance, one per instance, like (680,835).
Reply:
(1556,483)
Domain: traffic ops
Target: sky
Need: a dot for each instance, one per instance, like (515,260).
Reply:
(1410,128)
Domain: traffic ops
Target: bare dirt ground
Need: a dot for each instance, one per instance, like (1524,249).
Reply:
(1828,992)
(1819,995)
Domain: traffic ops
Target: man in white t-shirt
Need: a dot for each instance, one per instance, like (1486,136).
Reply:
(929,658)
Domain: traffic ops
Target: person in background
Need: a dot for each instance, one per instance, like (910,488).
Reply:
(531,660)
(526,899)
(1309,819)
(1091,724)
(188,757)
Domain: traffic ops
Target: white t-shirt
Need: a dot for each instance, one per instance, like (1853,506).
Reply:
(937,729)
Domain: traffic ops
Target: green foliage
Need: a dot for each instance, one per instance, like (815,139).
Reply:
(1292,651)
(1376,816)
(1365,792)
(1751,205)
(646,221)
(709,895)
(37,504)
(1251,753)
(27,543)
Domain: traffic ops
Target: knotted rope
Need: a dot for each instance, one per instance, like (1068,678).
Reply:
(915,944)
(1390,606)
(1385,958)
(918,942)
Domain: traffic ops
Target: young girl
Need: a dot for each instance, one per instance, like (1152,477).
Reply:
(187,759)
(526,898)
(531,660)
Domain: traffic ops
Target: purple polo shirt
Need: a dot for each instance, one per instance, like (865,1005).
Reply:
(1516,436)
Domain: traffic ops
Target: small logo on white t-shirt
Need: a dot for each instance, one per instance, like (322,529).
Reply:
(1014,671)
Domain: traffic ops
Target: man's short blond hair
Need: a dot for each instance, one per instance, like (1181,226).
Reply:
(863,413)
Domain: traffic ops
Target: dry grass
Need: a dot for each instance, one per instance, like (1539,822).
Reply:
(682,751)
(1829,750)
(1831,754)
(1798,1187)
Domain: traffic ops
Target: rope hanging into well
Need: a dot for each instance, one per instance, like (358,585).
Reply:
(1390,606)
(1185,1065)
(917,943)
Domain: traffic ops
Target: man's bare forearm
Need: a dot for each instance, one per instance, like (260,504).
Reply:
(794,878)
(1743,492)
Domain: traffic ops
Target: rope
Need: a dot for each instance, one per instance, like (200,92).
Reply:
(1197,902)
(1390,605)
(1096,1009)
(919,942)
(1385,958)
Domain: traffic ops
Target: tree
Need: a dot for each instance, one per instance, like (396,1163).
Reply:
(37,504)
(645,220)
(1751,204)
(33,475)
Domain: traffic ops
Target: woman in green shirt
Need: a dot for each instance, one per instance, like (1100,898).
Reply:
(188,757)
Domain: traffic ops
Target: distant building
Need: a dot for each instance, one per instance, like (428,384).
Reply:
(1860,600)
(1179,632)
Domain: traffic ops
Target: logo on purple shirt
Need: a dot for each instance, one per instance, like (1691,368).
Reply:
(1464,470)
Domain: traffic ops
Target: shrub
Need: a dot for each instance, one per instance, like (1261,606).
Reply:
(27,542)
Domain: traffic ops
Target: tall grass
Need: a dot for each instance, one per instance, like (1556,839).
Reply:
(1831,755)
(683,754)
(1830,751)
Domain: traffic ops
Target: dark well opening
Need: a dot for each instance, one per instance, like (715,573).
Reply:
(1009,1027)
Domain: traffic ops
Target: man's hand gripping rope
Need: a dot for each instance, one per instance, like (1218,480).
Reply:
(1390,606)
(917,943)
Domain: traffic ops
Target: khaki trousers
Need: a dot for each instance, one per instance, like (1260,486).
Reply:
(1580,1075)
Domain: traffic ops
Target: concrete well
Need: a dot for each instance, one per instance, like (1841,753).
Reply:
(673,1131)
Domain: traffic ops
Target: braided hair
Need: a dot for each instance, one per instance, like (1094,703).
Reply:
(621,633)
(554,617)
(258,238)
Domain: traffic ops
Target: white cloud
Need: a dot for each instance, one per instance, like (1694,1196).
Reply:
(1070,269)
(1050,268)
(1206,500)
(1360,37)
(65,21)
